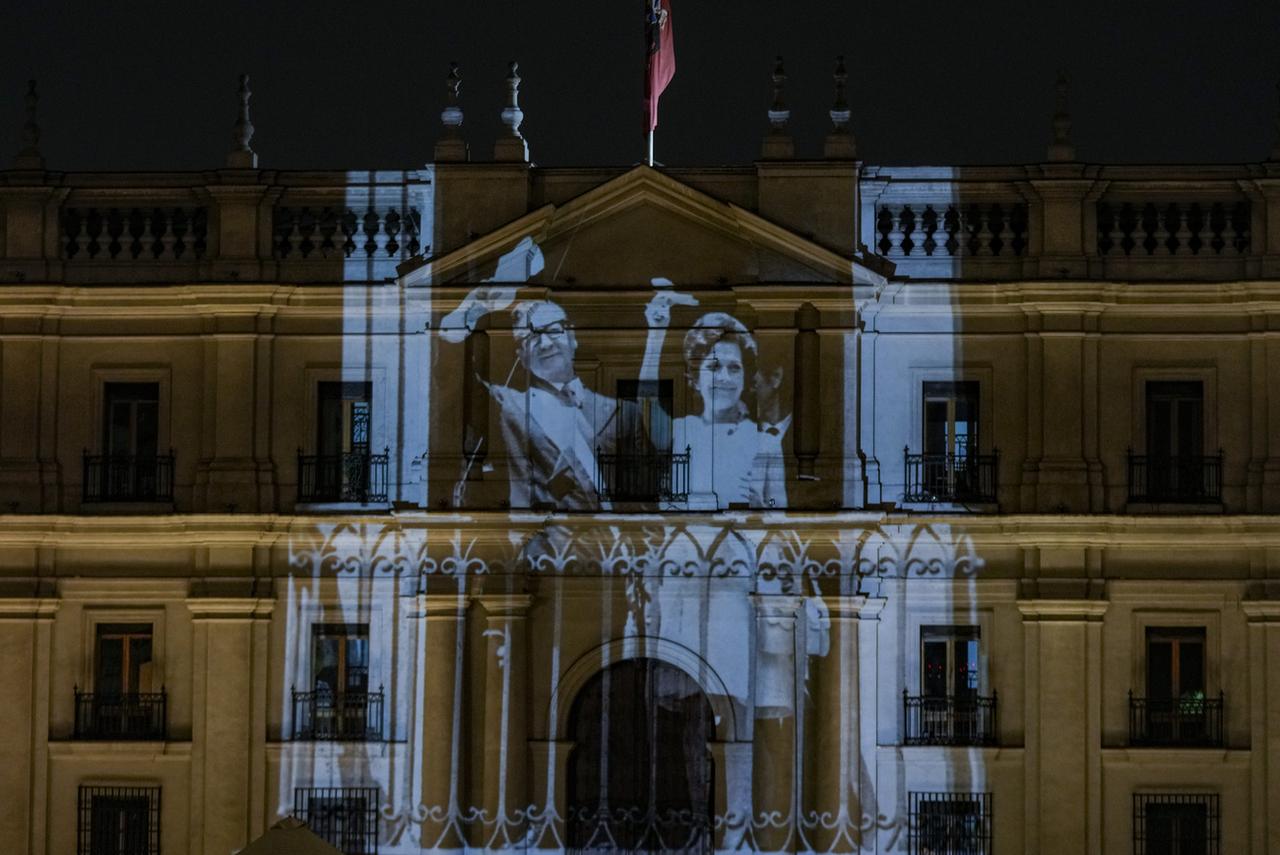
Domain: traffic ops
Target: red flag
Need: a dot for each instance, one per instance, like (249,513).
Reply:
(661,49)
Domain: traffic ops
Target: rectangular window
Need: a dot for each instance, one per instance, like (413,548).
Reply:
(1175,662)
(641,467)
(122,659)
(339,705)
(344,467)
(1176,709)
(951,418)
(340,658)
(345,410)
(118,821)
(949,665)
(344,817)
(1175,824)
(645,424)
(949,823)
(131,420)
(1175,419)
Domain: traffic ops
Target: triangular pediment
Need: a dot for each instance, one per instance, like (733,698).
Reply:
(637,227)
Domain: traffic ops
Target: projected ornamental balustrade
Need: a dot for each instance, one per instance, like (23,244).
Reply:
(123,716)
(128,478)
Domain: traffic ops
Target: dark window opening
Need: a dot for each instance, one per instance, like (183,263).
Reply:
(642,466)
(949,824)
(344,467)
(344,817)
(126,700)
(1175,824)
(1176,709)
(118,821)
(130,467)
(950,709)
(339,704)
(1175,467)
(951,467)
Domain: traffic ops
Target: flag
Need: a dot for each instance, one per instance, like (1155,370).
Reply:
(661,52)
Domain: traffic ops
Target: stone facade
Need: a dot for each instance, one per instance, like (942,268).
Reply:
(1042,307)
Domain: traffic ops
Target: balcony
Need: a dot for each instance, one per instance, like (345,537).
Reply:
(951,478)
(656,477)
(949,720)
(128,478)
(1185,480)
(355,477)
(1190,721)
(325,716)
(131,716)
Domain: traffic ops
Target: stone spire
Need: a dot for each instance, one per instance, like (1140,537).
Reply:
(511,146)
(840,144)
(1061,150)
(241,155)
(451,146)
(778,144)
(29,156)
(1275,149)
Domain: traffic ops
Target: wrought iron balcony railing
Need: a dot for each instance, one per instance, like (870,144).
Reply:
(949,720)
(1188,479)
(1192,720)
(643,477)
(134,715)
(353,476)
(962,478)
(128,478)
(328,716)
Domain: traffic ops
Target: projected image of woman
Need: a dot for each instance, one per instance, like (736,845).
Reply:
(731,458)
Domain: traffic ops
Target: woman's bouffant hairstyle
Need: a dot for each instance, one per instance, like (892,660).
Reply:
(710,329)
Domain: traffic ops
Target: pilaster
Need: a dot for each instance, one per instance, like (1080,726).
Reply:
(439,737)
(25,670)
(774,759)
(506,739)
(1264,722)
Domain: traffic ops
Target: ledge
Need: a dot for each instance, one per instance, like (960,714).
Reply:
(141,749)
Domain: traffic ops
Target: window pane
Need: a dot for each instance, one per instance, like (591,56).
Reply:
(327,662)
(1190,667)
(933,677)
(139,663)
(110,676)
(1159,669)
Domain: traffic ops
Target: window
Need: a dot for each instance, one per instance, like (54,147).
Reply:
(1175,467)
(1175,824)
(344,468)
(642,466)
(124,702)
(118,821)
(130,467)
(344,817)
(1176,709)
(339,705)
(951,467)
(949,709)
(949,823)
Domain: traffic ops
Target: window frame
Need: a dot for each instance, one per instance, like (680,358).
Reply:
(85,795)
(985,817)
(1213,817)
(161,376)
(303,796)
(1205,374)
(95,616)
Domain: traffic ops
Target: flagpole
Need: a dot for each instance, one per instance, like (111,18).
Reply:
(650,149)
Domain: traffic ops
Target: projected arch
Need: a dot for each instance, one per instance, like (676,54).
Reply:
(641,774)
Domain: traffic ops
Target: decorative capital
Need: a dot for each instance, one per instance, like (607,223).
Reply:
(1061,150)
(450,146)
(840,142)
(241,155)
(512,146)
(29,156)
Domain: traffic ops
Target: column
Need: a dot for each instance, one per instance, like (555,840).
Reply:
(1063,766)
(773,756)
(229,715)
(506,740)
(440,718)
(25,632)
(836,747)
(1264,722)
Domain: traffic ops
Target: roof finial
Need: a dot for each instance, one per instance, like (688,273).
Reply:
(241,155)
(29,156)
(451,146)
(1061,149)
(778,143)
(1275,149)
(512,146)
(840,142)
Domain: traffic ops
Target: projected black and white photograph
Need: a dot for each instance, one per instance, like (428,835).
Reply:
(639,427)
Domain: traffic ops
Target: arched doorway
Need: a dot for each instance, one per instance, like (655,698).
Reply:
(640,775)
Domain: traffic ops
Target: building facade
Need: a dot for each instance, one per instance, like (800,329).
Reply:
(810,505)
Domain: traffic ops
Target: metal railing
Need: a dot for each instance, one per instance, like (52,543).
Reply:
(343,817)
(963,478)
(643,477)
(128,478)
(324,715)
(353,476)
(949,720)
(1188,479)
(117,820)
(949,823)
(1177,823)
(134,715)
(1189,721)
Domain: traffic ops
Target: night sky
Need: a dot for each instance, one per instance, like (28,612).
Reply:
(145,85)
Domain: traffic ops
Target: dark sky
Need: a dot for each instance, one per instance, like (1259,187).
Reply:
(147,85)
